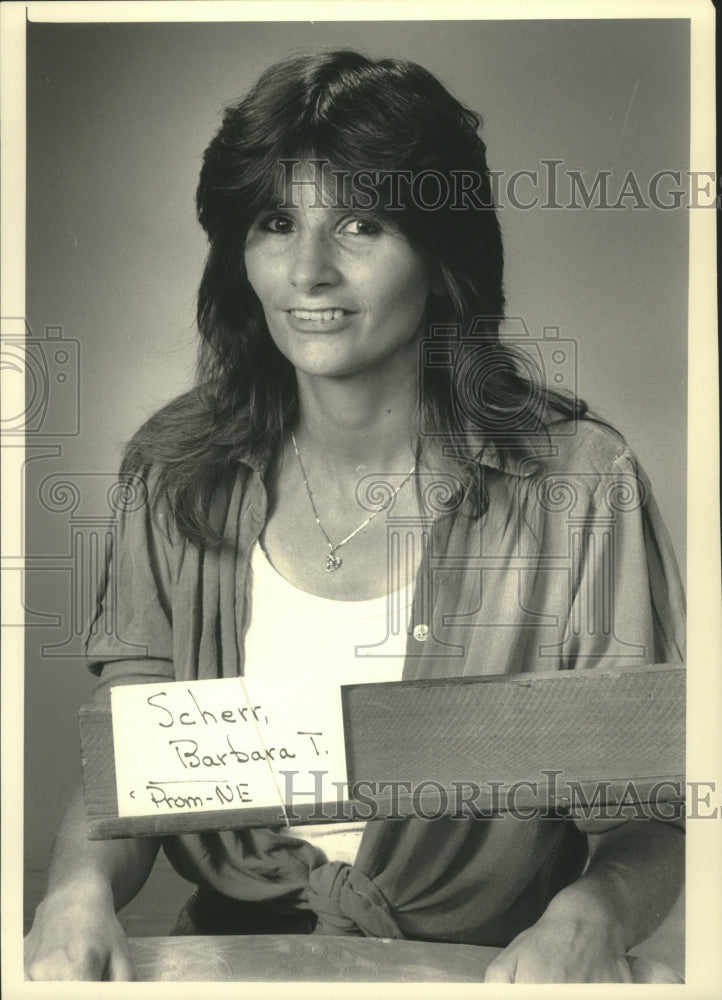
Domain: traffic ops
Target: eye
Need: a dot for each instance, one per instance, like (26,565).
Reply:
(361,226)
(281,224)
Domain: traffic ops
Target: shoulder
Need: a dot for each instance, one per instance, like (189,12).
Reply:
(193,455)
(156,517)
(191,431)
(584,458)
(591,459)
(587,446)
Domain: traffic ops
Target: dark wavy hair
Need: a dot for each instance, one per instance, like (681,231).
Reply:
(353,113)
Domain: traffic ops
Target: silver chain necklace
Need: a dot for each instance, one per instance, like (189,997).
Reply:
(333,561)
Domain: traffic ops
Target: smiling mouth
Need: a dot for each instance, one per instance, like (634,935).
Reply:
(319,315)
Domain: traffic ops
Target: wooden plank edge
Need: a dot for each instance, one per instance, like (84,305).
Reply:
(660,798)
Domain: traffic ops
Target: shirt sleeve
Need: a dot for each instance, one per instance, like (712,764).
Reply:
(130,637)
(628,603)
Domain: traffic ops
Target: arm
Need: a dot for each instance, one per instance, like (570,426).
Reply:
(76,934)
(636,870)
(633,879)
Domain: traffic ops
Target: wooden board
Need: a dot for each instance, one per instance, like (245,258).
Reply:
(311,958)
(547,740)
(494,742)
(306,958)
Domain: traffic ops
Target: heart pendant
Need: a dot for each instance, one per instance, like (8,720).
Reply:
(332,562)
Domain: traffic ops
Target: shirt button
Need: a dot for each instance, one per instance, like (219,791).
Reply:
(421,633)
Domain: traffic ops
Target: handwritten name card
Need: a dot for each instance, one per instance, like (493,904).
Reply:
(201,746)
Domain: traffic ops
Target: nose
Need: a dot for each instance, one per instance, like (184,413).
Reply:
(312,265)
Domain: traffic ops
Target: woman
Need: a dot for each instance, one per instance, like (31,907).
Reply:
(348,208)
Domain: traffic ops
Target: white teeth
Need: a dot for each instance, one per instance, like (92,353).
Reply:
(324,315)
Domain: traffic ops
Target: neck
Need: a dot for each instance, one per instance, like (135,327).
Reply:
(356,422)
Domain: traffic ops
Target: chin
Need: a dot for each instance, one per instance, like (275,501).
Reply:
(316,360)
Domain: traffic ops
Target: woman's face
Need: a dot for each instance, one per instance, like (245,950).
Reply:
(343,292)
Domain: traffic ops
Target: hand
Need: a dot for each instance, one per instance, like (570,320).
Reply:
(77,936)
(575,941)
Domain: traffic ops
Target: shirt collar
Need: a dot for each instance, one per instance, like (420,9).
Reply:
(520,463)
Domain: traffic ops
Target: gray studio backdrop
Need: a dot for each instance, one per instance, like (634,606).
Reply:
(118,117)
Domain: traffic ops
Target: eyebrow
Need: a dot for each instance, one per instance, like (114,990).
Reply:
(284,198)
(278,205)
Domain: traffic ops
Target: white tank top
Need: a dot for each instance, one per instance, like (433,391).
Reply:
(334,642)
